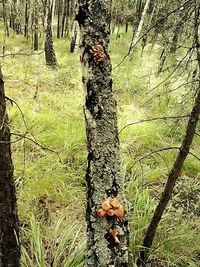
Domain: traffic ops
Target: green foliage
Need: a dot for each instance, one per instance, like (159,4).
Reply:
(61,246)
(50,177)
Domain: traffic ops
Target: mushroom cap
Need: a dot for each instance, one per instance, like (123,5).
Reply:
(113,232)
(115,203)
(106,204)
(111,212)
(101,213)
(119,212)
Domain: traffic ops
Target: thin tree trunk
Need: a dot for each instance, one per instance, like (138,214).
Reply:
(26,18)
(103,172)
(64,18)
(9,228)
(49,46)
(67,21)
(35,26)
(5,18)
(139,29)
(58,22)
(178,164)
(75,38)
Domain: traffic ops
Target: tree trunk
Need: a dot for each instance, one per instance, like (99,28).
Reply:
(49,46)
(9,229)
(5,18)
(35,26)
(103,176)
(58,22)
(64,18)
(178,164)
(139,29)
(75,38)
(67,22)
(26,19)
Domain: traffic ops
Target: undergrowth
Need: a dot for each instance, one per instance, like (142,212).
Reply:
(50,161)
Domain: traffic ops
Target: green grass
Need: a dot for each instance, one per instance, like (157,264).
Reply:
(50,165)
(62,246)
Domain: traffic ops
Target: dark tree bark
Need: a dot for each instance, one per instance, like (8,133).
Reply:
(178,164)
(35,26)
(13,14)
(64,18)
(9,229)
(5,18)
(103,172)
(26,19)
(58,21)
(15,23)
(67,22)
(75,37)
(49,46)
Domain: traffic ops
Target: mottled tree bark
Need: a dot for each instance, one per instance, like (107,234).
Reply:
(9,229)
(140,25)
(35,26)
(64,18)
(103,172)
(75,38)
(178,164)
(59,7)
(49,46)
(26,19)
(5,18)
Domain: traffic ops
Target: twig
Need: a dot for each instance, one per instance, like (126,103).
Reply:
(174,70)
(38,144)
(21,54)
(147,31)
(154,119)
(155,152)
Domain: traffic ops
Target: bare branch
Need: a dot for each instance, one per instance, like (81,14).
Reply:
(21,54)
(154,119)
(147,31)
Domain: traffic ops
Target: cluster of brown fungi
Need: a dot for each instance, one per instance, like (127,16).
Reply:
(113,208)
(98,53)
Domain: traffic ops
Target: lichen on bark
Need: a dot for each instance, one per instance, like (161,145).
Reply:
(103,172)
(9,228)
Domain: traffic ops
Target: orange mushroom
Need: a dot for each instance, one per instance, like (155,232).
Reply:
(114,233)
(115,203)
(106,204)
(111,212)
(101,213)
(119,212)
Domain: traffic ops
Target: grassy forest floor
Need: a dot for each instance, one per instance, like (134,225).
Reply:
(50,162)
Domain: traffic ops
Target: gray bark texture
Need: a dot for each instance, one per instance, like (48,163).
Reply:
(9,229)
(103,172)
(49,45)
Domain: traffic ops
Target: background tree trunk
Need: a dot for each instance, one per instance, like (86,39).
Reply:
(49,46)
(103,171)
(59,7)
(5,18)
(9,229)
(35,26)
(178,164)
(26,18)
(139,29)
